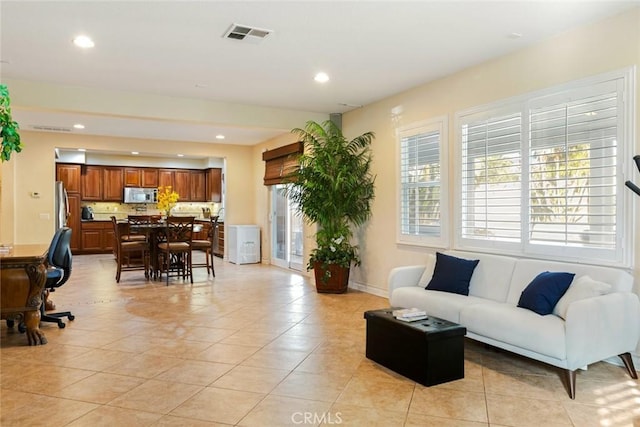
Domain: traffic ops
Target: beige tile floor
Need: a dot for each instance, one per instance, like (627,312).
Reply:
(257,346)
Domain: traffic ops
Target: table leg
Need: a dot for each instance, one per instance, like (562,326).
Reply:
(37,276)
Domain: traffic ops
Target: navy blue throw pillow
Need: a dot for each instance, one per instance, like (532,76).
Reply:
(452,274)
(544,292)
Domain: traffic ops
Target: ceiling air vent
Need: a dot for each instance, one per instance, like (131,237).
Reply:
(50,128)
(246,33)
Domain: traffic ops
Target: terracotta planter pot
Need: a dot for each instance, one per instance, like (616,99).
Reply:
(336,284)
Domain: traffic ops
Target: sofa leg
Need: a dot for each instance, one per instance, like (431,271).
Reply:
(570,377)
(628,363)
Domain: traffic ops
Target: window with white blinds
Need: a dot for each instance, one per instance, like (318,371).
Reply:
(544,176)
(422,191)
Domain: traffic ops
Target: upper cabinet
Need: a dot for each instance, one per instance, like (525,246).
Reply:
(141,177)
(92,183)
(214,185)
(70,176)
(102,183)
(165,178)
(182,184)
(198,186)
(149,178)
(113,184)
(132,177)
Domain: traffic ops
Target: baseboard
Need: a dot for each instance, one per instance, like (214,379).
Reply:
(368,289)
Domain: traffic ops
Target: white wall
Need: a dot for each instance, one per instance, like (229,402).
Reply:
(608,45)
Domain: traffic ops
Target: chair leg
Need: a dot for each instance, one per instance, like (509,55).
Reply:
(628,363)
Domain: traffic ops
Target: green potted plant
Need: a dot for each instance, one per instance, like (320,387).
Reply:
(333,188)
(8,128)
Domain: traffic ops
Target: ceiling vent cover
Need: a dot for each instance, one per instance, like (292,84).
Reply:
(50,128)
(246,33)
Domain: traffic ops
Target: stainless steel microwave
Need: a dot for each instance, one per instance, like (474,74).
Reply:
(140,195)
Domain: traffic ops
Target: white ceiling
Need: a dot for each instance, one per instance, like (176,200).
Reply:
(370,49)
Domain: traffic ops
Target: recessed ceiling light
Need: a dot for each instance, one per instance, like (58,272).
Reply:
(321,77)
(82,149)
(219,136)
(78,126)
(180,155)
(515,35)
(84,42)
(135,153)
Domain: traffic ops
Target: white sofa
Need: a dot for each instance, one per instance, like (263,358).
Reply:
(595,328)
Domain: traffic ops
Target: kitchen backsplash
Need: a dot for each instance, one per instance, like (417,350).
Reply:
(105,210)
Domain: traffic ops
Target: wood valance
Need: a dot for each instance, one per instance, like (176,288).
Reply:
(280,162)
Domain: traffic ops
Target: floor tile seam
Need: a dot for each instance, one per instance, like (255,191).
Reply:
(192,395)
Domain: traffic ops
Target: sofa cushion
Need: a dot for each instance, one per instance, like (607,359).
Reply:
(452,274)
(444,305)
(427,274)
(540,334)
(526,269)
(492,276)
(581,288)
(544,292)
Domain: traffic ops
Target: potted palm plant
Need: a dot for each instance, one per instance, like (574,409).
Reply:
(333,188)
(8,128)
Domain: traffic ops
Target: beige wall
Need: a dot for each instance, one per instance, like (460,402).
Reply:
(609,45)
(31,220)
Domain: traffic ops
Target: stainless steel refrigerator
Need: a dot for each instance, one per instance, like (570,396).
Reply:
(62,205)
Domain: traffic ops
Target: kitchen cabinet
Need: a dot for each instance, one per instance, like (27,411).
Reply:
(149,178)
(97,236)
(70,175)
(165,178)
(112,184)
(214,185)
(102,183)
(182,184)
(198,186)
(73,221)
(141,177)
(132,177)
(91,183)
(219,249)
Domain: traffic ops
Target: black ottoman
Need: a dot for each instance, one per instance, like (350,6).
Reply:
(429,351)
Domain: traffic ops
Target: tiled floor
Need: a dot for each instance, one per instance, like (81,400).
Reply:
(257,346)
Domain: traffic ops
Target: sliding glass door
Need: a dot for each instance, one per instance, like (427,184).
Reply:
(286,233)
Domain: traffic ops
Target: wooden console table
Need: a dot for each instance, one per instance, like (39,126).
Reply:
(23,273)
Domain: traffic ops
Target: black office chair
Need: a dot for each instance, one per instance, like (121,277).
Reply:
(58,273)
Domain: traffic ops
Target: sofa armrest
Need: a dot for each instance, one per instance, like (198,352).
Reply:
(404,276)
(601,327)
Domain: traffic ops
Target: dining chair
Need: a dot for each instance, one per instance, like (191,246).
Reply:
(174,247)
(208,245)
(135,232)
(124,250)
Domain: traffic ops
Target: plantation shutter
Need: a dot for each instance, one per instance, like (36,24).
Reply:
(280,162)
(572,172)
(420,182)
(491,184)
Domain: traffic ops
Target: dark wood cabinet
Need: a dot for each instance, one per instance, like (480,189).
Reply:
(73,221)
(182,184)
(92,183)
(165,178)
(214,185)
(149,178)
(198,186)
(112,184)
(70,175)
(132,177)
(97,236)
(219,249)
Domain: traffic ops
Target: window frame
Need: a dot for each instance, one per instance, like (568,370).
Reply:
(622,255)
(438,124)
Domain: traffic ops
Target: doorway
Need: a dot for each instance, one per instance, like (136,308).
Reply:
(287,228)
